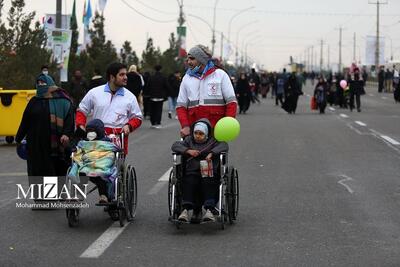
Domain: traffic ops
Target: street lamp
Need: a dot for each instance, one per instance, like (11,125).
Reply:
(213,29)
(208,24)
(234,16)
(251,41)
(237,38)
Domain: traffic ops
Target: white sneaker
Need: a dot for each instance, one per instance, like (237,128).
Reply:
(158,126)
(184,217)
(208,217)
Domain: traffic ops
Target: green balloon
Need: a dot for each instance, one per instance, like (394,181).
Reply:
(226,129)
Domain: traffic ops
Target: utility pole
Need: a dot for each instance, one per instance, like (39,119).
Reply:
(58,14)
(329,55)
(312,58)
(354,48)
(213,35)
(321,60)
(222,46)
(340,49)
(181,21)
(377,3)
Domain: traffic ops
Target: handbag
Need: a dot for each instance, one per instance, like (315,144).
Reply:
(313,103)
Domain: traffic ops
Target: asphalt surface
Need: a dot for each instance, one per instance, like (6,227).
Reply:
(315,190)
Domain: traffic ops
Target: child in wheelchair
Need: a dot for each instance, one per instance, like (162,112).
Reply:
(201,151)
(95,157)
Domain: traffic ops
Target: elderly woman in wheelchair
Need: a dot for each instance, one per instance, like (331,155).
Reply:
(103,160)
(198,175)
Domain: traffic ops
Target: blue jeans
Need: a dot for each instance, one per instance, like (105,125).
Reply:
(172,103)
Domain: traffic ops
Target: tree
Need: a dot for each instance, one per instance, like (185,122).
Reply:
(22,49)
(73,57)
(151,56)
(170,60)
(127,55)
(101,52)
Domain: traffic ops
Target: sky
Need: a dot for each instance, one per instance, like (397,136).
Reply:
(272,31)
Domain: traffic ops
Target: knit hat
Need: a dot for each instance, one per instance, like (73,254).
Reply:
(200,53)
(202,127)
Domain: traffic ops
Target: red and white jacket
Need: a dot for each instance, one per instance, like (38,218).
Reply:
(115,111)
(212,96)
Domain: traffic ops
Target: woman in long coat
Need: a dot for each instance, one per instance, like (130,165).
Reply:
(243,93)
(47,124)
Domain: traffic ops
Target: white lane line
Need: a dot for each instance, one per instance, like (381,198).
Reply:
(161,182)
(345,179)
(331,109)
(165,176)
(343,115)
(390,140)
(360,123)
(13,174)
(97,248)
(156,188)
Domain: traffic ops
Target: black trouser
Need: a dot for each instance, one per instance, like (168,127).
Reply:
(146,106)
(380,86)
(207,186)
(101,185)
(358,101)
(278,97)
(156,112)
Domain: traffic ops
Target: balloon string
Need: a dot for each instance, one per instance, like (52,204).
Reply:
(215,141)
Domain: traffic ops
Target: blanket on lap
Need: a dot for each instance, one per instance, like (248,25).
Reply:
(94,159)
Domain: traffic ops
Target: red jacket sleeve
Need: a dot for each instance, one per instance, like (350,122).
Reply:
(134,123)
(80,118)
(183,116)
(231,109)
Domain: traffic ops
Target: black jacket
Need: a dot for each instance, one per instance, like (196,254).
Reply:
(173,86)
(134,83)
(157,86)
(211,145)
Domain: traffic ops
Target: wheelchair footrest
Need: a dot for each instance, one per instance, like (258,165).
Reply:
(113,203)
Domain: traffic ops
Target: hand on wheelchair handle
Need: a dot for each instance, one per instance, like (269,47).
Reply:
(185,131)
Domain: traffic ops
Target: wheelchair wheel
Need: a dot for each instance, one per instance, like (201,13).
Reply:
(73,217)
(232,198)
(130,193)
(224,207)
(174,203)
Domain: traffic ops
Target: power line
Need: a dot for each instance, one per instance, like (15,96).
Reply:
(277,12)
(156,10)
(147,17)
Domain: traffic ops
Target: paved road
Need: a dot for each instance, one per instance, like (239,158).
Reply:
(315,190)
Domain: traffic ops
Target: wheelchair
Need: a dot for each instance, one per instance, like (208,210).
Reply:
(227,207)
(123,205)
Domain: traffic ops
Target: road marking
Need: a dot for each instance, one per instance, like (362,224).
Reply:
(384,97)
(332,109)
(104,241)
(343,115)
(13,174)
(390,140)
(371,94)
(360,123)
(161,182)
(345,179)
(165,176)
